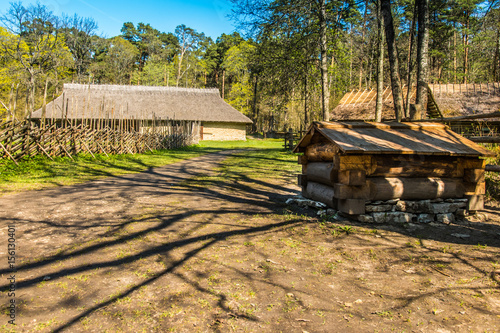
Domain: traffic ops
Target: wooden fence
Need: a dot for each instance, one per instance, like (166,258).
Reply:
(64,138)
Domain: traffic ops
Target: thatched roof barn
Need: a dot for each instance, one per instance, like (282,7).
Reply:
(219,120)
(452,99)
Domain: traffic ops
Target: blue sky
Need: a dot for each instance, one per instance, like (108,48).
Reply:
(208,16)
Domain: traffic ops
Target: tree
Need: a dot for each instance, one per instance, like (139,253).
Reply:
(115,60)
(397,93)
(422,52)
(188,39)
(36,31)
(78,33)
(380,64)
(303,19)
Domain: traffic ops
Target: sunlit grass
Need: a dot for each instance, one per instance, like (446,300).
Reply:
(40,172)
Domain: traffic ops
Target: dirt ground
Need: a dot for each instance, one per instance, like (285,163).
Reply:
(194,247)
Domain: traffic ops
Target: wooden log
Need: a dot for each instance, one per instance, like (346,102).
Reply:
(8,154)
(475,202)
(302,159)
(475,188)
(352,177)
(474,116)
(485,139)
(402,188)
(342,191)
(320,192)
(321,172)
(473,175)
(44,151)
(320,152)
(352,206)
(492,168)
(354,162)
(415,166)
(302,180)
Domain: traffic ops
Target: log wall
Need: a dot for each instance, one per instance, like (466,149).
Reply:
(348,182)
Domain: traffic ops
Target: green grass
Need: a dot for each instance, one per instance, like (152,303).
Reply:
(40,172)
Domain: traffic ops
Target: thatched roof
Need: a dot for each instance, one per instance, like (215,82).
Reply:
(452,99)
(141,102)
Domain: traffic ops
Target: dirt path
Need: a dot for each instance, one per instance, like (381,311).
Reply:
(68,210)
(200,247)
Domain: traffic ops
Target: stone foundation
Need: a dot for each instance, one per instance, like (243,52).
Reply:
(399,211)
(422,211)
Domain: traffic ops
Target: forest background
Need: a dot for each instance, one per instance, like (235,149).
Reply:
(289,64)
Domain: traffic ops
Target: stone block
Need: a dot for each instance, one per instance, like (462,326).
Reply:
(392,217)
(445,218)
(425,218)
(445,208)
(366,218)
(422,206)
(378,208)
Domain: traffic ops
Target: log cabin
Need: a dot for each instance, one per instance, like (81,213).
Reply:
(347,165)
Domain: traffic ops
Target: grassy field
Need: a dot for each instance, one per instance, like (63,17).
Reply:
(40,172)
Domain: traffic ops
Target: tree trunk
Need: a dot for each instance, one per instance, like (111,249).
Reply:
(44,105)
(466,48)
(255,110)
(363,32)
(325,92)
(380,66)
(393,59)
(306,118)
(496,60)
(454,54)
(223,82)
(422,53)
(410,66)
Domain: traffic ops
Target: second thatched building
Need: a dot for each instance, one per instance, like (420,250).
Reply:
(79,102)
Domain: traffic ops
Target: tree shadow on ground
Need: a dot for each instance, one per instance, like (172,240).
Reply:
(202,191)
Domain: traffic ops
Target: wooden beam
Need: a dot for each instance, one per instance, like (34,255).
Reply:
(402,188)
(473,116)
(352,177)
(321,152)
(485,139)
(302,180)
(475,188)
(474,175)
(353,162)
(321,172)
(321,193)
(475,203)
(302,159)
(352,206)
(492,168)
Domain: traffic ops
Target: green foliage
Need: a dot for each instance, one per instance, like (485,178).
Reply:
(274,77)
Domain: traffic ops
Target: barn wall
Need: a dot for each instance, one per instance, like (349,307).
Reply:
(224,131)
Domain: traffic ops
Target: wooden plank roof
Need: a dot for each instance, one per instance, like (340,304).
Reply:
(392,138)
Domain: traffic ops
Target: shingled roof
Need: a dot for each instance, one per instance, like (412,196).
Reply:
(141,102)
